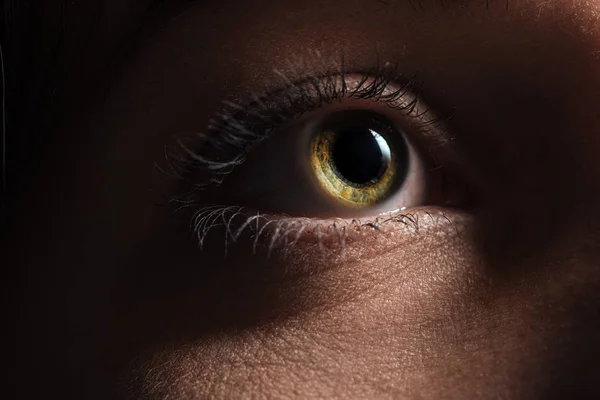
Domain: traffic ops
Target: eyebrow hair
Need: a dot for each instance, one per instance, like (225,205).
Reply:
(420,4)
(415,4)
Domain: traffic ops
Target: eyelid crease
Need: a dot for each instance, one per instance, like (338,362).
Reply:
(232,132)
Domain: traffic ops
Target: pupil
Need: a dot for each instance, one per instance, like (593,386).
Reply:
(360,155)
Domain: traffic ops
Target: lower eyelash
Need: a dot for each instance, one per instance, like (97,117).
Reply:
(284,233)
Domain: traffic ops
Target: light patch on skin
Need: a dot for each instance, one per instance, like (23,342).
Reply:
(389,335)
(351,330)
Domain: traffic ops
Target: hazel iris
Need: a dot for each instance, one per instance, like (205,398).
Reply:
(358,157)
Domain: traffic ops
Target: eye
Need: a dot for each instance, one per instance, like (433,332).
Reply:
(343,163)
(353,155)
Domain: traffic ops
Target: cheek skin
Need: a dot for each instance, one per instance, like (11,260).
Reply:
(386,319)
(428,312)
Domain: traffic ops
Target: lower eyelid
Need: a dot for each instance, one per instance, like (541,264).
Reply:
(327,239)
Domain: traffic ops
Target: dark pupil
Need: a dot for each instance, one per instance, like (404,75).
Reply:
(357,156)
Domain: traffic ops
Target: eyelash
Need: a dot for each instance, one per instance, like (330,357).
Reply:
(326,234)
(236,129)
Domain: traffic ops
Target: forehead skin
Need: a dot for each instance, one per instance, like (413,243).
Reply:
(506,305)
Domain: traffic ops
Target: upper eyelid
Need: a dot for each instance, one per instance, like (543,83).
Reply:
(238,127)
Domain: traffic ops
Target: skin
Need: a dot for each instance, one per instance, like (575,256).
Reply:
(497,301)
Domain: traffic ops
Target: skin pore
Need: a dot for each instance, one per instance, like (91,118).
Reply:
(497,300)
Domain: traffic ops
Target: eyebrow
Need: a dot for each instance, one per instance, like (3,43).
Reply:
(417,5)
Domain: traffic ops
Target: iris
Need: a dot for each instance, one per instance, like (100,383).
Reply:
(358,157)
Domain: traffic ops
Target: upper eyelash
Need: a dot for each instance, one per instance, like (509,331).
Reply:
(232,132)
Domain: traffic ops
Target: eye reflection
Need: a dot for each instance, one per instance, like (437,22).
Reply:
(358,157)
